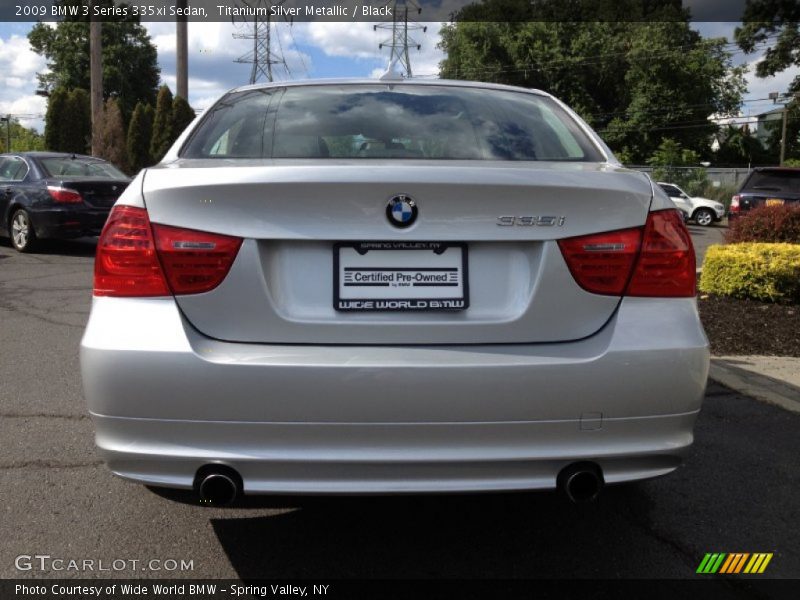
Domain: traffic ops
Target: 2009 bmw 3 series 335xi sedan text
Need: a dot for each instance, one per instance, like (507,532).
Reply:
(392,286)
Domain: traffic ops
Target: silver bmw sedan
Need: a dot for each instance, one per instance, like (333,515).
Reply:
(392,286)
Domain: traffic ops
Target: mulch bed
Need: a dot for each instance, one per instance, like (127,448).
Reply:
(736,326)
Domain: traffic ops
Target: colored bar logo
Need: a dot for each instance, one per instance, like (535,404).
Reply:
(734,563)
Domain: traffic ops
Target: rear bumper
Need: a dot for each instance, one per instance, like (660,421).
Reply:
(315,458)
(165,400)
(68,222)
(747,204)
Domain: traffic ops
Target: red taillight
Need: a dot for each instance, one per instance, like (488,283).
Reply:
(126,263)
(657,262)
(194,261)
(666,265)
(64,195)
(131,252)
(601,263)
(735,203)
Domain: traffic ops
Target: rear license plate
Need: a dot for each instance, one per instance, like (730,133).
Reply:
(774,201)
(400,276)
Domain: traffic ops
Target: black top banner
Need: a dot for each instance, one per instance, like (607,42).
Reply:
(377,10)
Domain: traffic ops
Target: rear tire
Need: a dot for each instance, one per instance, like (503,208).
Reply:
(23,237)
(704,217)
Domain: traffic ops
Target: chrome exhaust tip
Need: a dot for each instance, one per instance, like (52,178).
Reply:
(218,486)
(581,482)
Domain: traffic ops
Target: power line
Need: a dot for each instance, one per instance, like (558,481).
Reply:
(673,127)
(299,53)
(23,116)
(666,109)
(280,50)
(553,64)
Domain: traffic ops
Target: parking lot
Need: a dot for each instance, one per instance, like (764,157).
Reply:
(736,493)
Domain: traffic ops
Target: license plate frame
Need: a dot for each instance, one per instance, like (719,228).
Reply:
(414,301)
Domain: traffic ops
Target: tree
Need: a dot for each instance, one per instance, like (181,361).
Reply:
(54,118)
(150,113)
(76,127)
(182,115)
(635,76)
(110,143)
(140,131)
(130,68)
(23,139)
(767,19)
(674,164)
(162,125)
(738,147)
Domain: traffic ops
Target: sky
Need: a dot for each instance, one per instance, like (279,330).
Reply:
(316,50)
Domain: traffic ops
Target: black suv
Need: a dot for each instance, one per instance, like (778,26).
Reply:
(767,186)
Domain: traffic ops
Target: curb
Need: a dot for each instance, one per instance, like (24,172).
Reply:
(761,387)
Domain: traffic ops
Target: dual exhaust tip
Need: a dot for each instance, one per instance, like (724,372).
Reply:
(220,485)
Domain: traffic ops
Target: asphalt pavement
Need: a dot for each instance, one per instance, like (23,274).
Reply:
(737,492)
(703,237)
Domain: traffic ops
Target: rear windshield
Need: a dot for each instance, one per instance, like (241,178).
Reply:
(385,122)
(80,167)
(774,181)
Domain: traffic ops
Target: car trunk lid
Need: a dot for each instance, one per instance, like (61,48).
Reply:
(96,193)
(295,215)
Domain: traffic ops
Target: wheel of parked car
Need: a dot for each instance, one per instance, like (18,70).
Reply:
(23,237)
(704,217)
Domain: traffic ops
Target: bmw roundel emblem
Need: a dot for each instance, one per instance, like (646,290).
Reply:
(401,211)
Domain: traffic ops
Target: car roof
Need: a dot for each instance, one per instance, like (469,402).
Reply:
(45,154)
(390,82)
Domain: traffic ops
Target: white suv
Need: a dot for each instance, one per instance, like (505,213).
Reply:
(702,211)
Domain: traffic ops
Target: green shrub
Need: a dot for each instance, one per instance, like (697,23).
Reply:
(768,272)
(772,224)
(722,193)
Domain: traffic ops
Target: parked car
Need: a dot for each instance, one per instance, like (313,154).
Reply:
(55,195)
(767,186)
(481,298)
(702,211)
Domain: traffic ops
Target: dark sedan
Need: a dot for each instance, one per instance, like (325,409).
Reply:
(55,195)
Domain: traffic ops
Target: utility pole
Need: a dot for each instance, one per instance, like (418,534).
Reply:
(182,51)
(96,77)
(400,26)
(263,56)
(783,135)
